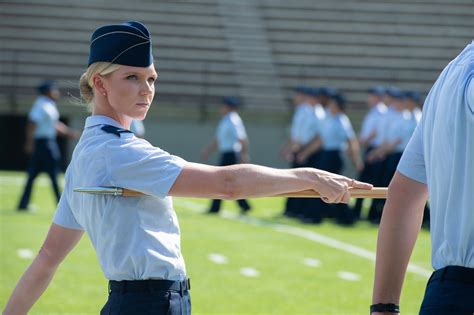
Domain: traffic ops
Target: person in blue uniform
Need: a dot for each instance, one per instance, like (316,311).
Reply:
(43,126)
(412,104)
(336,136)
(137,239)
(378,157)
(232,143)
(368,137)
(438,162)
(398,133)
(310,148)
(302,109)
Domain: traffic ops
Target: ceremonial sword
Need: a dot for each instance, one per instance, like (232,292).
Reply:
(374,193)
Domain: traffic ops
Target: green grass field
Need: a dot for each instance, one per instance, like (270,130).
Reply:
(292,268)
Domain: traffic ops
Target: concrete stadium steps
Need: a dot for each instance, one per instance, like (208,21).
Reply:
(190,47)
(256,49)
(352,45)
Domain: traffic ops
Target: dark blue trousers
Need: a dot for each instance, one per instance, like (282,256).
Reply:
(229,158)
(331,161)
(450,291)
(147,300)
(299,207)
(367,175)
(384,171)
(46,157)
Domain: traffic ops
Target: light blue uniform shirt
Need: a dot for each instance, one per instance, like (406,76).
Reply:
(229,133)
(134,237)
(441,154)
(400,129)
(383,126)
(45,115)
(336,131)
(311,124)
(371,121)
(301,113)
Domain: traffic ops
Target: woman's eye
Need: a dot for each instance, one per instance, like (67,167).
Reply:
(152,79)
(132,77)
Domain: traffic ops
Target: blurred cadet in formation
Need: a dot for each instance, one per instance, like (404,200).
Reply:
(368,137)
(336,137)
(42,128)
(396,128)
(320,133)
(232,143)
(305,128)
(138,128)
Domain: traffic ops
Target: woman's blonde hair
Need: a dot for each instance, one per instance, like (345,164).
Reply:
(86,84)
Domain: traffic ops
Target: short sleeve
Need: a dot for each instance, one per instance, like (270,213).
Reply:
(412,163)
(64,216)
(346,125)
(36,114)
(238,128)
(136,164)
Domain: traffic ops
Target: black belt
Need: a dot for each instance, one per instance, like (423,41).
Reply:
(454,273)
(149,285)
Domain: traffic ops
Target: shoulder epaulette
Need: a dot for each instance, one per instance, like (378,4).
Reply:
(115,130)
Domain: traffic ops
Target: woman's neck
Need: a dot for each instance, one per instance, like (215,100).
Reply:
(123,120)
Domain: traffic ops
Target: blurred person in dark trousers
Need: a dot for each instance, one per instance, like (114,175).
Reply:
(43,126)
(302,108)
(368,136)
(337,137)
(232,143)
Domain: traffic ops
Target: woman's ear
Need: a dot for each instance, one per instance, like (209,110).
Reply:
(98,84)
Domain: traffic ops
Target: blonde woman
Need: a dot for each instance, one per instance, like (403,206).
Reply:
(137,240)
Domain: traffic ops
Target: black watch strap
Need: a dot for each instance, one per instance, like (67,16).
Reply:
(385,307)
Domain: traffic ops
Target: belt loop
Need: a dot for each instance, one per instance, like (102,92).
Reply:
(182,287)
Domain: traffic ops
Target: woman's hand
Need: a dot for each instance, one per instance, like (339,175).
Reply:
(334,188)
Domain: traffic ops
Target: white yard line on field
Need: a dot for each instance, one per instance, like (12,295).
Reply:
(25,253)
(218,258)
(306,234)
(311,262)
(349,276)
(249,272)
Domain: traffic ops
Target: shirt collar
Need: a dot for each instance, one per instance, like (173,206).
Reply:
(96,120)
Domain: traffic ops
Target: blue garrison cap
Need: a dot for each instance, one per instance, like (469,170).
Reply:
(47,86)
(127,44)
(314,92)
(302,89)
(377,90)
(339,99)
(328,91)
(231,101)
(413,95)
(395,92)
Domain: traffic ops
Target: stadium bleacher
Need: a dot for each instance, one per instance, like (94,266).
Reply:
(258,50)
